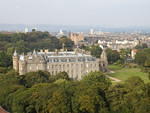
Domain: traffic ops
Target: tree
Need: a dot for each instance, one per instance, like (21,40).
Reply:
(5,59)
(32,78)
(97,78)
(62,75)
(143,106)
(124,98)
(9,84)
(124,54)
(24,43)
(140,58)
(112,56)
(21,46)
(3,70)
(66,42)
(95,51)
(61,100)
(143,59)
(90,94)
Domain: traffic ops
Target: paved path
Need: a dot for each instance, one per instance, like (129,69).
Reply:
(114,79)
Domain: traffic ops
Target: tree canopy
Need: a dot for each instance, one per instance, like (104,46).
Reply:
(40,92)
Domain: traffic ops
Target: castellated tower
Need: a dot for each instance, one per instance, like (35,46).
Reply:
(37,62)
(22,65)
(15,61)
(103,61)
(76,37)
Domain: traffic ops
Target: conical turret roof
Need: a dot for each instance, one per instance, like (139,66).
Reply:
(15,53)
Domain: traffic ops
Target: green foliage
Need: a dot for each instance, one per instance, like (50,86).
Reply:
(9,83)
(93,94)
(95,50)
(126,97)
(33,100)
(112,56)
(5,59)
(33,40)
(68,43)
(124,54)
(60,101)
(90,94)
(3,70)
(97,77)
(62,75)
(24,43)
(143,59)
(33,78)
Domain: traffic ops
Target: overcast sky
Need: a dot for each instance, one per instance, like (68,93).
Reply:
(76,12)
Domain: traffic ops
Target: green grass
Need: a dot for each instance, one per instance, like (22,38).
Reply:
(125,73)
(114,67)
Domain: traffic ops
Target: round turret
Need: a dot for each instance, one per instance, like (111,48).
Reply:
(15,61)
(103,57)
(103,61)
(22,65)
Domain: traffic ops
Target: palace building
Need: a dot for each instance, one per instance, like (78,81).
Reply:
(75,63)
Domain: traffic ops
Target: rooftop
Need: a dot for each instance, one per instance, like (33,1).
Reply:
(2,110)
(67,56)
(63,54)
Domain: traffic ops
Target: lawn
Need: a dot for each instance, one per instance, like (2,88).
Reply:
(124,73)
(114,67)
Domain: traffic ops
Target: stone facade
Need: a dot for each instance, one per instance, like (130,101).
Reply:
(74,63)
(76,37)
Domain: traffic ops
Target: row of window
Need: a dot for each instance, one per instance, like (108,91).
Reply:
(71,60)
(63,66)
(71,66)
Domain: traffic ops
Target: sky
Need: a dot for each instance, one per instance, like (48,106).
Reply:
(76,12)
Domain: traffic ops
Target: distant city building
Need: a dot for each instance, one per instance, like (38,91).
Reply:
(119,44)
(76,63)
(61,32)
(91,31)
(76,37)
(26,30)
(95,33)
